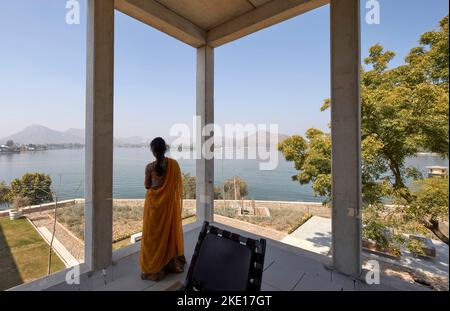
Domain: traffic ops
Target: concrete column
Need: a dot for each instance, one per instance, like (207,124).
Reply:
(99,133)
(346,136)
(205,114)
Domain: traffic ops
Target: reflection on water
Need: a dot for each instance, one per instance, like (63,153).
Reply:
(66,167)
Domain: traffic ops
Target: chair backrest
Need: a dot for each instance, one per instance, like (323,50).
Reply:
(225,261)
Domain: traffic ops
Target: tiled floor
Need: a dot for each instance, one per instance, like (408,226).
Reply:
(315,236)
(286,268)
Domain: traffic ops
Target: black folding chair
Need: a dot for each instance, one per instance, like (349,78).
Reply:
(225,261)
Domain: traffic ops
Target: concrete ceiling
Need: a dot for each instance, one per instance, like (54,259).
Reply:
(208,14)
(213,22)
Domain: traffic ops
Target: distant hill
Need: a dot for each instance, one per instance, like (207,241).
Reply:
(41,135)
(76,132)
(134,140)
(270,140)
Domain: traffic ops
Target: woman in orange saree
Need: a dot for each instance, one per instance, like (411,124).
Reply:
(162,233)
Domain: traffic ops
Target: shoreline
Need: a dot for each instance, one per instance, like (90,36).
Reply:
(318,208)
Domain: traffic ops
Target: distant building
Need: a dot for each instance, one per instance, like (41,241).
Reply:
(437,171)
(7,149)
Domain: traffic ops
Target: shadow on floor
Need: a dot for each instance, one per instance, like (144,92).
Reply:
(9,273)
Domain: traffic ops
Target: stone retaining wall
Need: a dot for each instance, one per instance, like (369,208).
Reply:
(43,207)
(316,209)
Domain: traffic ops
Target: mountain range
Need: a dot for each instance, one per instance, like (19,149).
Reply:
(250,140)
(41,135)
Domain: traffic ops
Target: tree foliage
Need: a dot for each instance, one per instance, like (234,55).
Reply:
(4,193)
(312,158)
(189,186)
(429,204)
(34,186)
(404,110)
(19,202)
(235,188)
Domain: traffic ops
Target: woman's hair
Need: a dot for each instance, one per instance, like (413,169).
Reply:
(159,148)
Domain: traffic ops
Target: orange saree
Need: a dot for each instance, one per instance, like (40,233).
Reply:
(162,232)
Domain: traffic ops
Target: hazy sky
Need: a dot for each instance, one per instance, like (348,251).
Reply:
(278,75)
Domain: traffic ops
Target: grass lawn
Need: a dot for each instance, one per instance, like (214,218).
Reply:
(23,253)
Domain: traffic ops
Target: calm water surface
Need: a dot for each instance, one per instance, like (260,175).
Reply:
(66,168)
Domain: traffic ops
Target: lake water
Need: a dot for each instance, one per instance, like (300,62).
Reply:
(66,168)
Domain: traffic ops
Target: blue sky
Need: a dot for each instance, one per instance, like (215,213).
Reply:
(278,75)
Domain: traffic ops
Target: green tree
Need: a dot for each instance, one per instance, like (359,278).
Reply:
(429,204)
(217,193)
(235,188)
(34,186)
(404,110)
(4,193)
(312,158)
(19,202)
(189,186)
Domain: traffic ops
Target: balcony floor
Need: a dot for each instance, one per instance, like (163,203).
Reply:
(286,268)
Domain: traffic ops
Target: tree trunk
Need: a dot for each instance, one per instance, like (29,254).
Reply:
(398,183)
(433,226)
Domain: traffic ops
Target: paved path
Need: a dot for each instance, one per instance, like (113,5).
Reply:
(73,244)
(58,248)
(315,236)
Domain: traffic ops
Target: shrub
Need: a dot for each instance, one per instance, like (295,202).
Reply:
(127,219)
(35,186)
(4,193)
(235,188)
(281,219)
(226,212)
(416,247)
(19,202)
(186,213)
(189,186)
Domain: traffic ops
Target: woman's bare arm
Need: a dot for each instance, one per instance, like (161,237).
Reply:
(148,177)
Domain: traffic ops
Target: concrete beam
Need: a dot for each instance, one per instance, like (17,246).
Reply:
(99,133)
(266,15)
(205,112)
(346,136)
(158,16)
